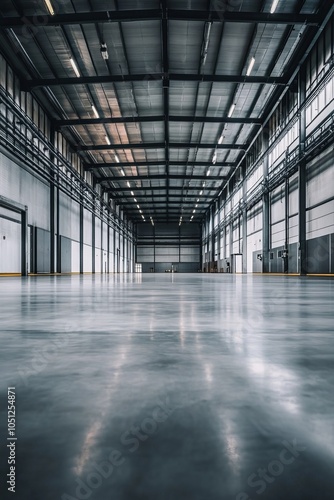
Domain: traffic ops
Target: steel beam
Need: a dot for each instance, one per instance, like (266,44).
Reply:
(135,178)
(151,196)
(112,16)
(74,122)
(160,145)
(153,204)
(29,85)
(148,164)
(159,188)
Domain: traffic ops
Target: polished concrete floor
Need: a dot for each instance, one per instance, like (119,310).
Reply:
(169,387)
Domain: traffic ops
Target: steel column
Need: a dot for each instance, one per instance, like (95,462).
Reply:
(24,242)
(265,204)
(302,173)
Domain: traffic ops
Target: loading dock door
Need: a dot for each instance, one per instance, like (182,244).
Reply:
(16,208)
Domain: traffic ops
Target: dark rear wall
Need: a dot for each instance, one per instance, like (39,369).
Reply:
(164,247)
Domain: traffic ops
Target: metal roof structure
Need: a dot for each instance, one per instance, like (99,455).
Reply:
(161,99)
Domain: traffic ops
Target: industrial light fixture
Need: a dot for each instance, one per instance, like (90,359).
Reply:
(123,173)
(95,111)
(250,66)
(208,172)
(117,159)
(140,211)
(138,207)
(75,67)
(49,7)
(143,218)
(221,138)
(203,185)
(135,200)
(191,218)
(132,193)
(196,205)
(214,158)
(204,54)
(104,51)
(107,140)
(128,183)
(201,193)
(197,200)
(232,108)
(194,211)
(273,6)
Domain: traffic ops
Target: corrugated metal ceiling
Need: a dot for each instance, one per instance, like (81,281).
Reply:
(165,58)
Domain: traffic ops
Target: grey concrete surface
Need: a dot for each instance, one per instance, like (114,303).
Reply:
(169,387)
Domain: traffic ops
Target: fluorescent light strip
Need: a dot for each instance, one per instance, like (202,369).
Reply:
(208,172)
(274,6)
(117,159)
(75,67)
(132,193)
(221,138)
(123,173)
(201,193)
(107,140)
(232,108)
(49,7)
(250,67)
(95,111)
(128,184)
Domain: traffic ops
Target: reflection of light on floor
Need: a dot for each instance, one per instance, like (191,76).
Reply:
(281,381)
(88,443)
(291,405)
(231,446)
(96,427)
(208,373)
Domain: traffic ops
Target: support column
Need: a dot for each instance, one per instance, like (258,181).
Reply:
(286,242)
(108,248)
(218,235)
(81,235)
(244,218)
(115,250)
(265,204)
(101,239)
(212,258)
(24,242)
(58,258)
(302,257)
(93,237)
(230,191)
(52,207)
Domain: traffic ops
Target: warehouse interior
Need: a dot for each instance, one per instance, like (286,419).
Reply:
(167,247)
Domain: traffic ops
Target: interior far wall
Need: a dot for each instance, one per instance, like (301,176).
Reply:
(168,247)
